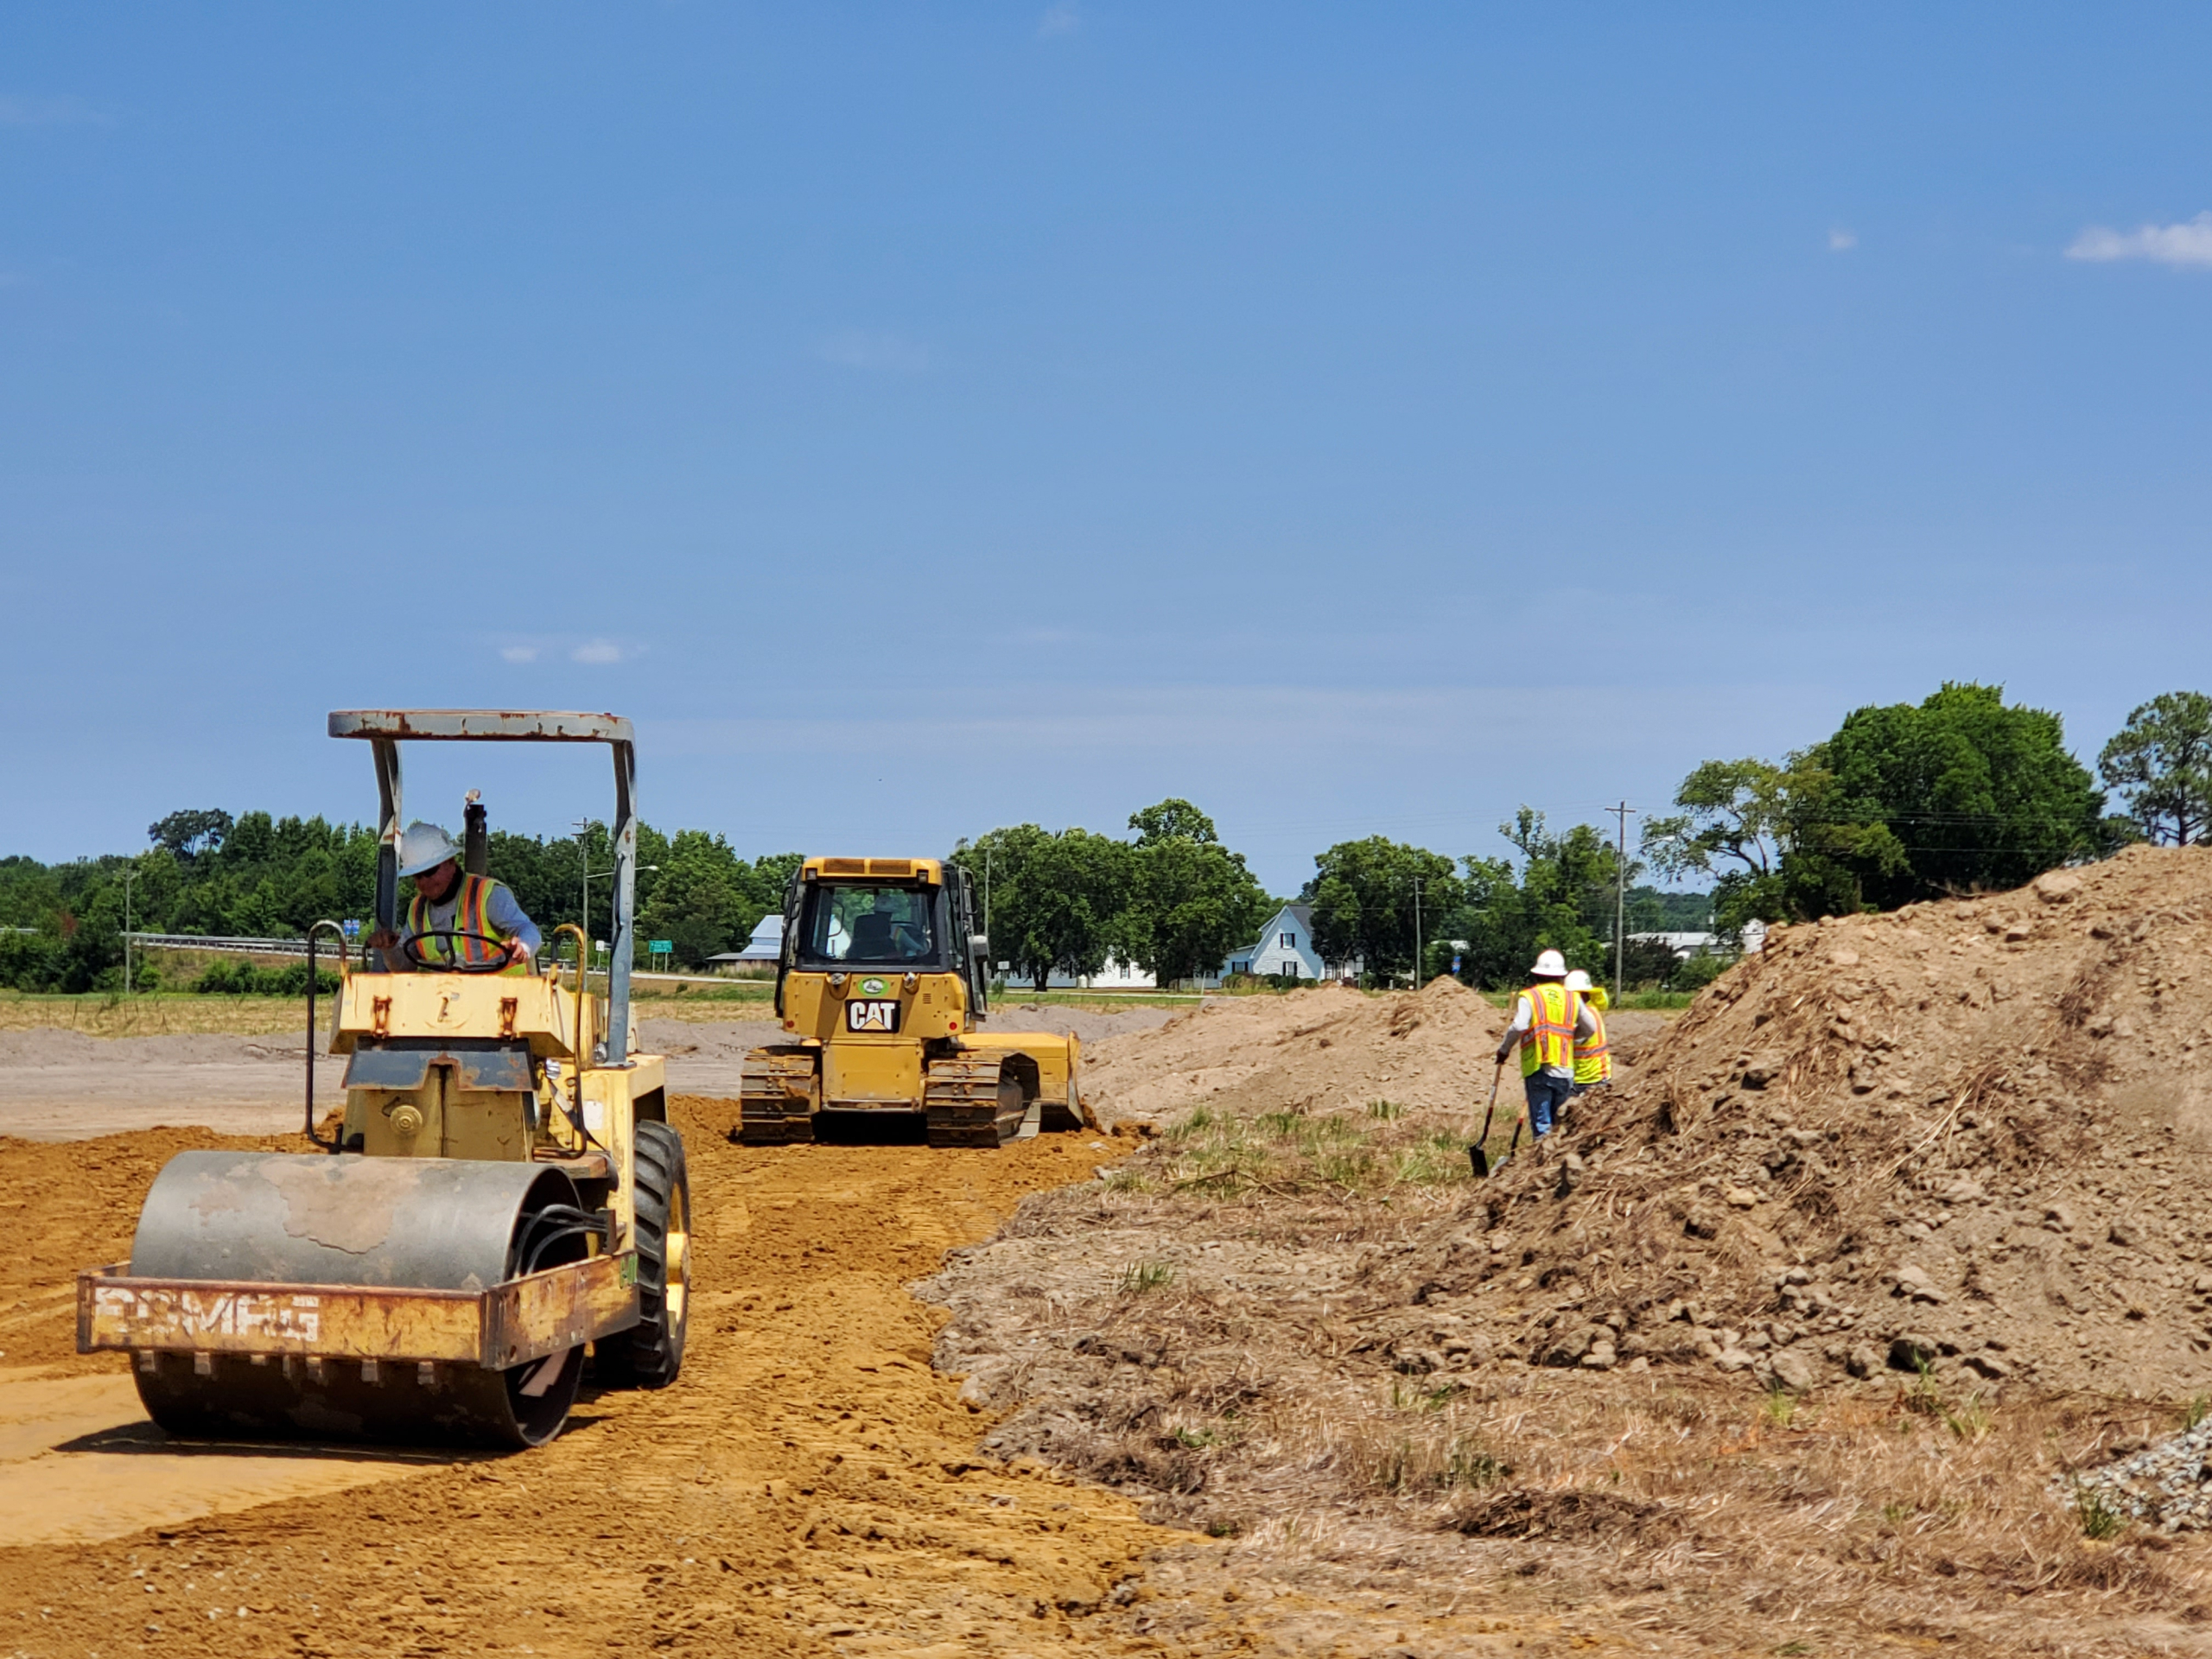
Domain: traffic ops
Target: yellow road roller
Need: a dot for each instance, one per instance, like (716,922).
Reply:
(883,990)
(504,1196)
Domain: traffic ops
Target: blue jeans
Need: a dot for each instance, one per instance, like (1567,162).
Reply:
(1547,1095)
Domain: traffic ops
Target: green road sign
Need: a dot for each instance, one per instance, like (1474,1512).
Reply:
(657,946)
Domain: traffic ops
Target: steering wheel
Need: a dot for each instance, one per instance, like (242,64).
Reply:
(408,948)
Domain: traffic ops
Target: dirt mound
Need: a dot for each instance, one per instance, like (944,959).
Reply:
(1966,1136)
(1316,1050)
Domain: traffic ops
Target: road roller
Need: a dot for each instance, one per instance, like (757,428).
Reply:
(503,1206)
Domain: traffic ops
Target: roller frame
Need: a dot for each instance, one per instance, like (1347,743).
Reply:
(507,1324)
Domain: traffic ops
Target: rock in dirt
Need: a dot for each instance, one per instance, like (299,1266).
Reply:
(1795,1369)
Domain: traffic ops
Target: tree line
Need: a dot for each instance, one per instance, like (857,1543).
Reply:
(1958,793)
(255,876)
(1175,902)
(1170,897)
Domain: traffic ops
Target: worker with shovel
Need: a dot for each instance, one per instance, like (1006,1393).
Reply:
(1548,1020)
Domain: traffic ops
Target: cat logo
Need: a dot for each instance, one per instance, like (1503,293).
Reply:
(872,1013)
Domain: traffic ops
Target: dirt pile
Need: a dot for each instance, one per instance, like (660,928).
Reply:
(1316,1051)
(1968,1135)
(1808,1328)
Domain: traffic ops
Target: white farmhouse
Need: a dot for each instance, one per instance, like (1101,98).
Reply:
(1285,947)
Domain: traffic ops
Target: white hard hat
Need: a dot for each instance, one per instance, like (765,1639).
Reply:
(1578,981)
(424,846)
(1550,965)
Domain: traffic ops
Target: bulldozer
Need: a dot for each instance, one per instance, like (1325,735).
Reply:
(503,1198)
(883,989)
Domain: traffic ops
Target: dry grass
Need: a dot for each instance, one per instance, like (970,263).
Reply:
(1837,1521)
(157,1015)
(1261,1401)
(1368,1154)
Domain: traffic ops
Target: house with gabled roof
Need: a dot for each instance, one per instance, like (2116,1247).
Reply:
(1285,947)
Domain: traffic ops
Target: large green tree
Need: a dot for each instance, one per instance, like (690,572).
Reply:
(1175,901)
(2160,763)
(1737,824)
(1957,793)
(1193,900)
(1363,896)
(1561,897)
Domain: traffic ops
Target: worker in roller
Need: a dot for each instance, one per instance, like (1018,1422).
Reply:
(1593,1062)
(1548,1020)
(454,918)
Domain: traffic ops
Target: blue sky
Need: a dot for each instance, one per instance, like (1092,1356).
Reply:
(1355,419)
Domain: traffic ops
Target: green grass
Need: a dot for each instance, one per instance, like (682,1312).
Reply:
(1368,1151)
(1410,1464)
(1970,1422)
(2099,1519)
(1011,998)
(1142,1276)
(2199,1408)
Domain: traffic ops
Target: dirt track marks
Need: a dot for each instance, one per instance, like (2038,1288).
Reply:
(809,1486)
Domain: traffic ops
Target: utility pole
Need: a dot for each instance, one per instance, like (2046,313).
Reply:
(583,863)
(1620,892)
(129,876)
(1417,932)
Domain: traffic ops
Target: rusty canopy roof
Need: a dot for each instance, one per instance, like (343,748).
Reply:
(497,725)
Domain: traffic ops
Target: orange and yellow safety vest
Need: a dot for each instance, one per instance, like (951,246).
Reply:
(1550,1039)
(471,915)
(1593,1061)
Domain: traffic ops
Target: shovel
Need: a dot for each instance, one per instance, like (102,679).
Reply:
(1479,1153)
(1512,1146)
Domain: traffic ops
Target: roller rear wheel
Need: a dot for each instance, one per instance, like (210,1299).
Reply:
(650,1353)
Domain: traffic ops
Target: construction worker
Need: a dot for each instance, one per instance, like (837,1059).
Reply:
(454,918)
(1548,1020)
(1593,1062)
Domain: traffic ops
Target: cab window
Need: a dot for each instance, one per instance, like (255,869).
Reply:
(870,925)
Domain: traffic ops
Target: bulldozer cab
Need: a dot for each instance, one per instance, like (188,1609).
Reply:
(899,916)
(882,989)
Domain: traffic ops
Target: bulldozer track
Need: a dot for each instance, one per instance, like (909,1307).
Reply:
(970,1102)
(776,1099)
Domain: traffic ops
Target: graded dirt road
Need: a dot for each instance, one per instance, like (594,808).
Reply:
(73,1085)
(809,1486)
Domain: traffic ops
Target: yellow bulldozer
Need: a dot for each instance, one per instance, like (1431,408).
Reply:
(504,1191)
(883,988)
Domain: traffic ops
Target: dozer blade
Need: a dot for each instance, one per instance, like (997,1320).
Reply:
(349,1298)
(970,1103)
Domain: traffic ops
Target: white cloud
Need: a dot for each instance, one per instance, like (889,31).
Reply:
(519,653)
(46,112)
(1842,241)
(1060,18)
(2185,243)
(598,652)
(857,349)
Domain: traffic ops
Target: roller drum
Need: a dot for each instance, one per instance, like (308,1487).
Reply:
(430,1224)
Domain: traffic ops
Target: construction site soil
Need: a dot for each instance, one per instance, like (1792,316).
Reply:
(1804,1338)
